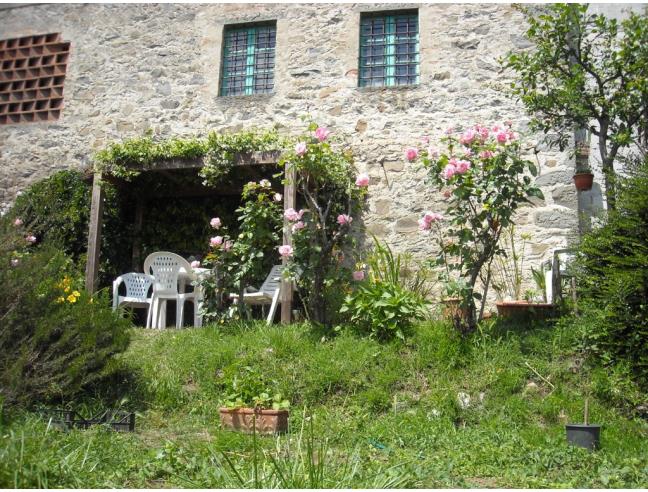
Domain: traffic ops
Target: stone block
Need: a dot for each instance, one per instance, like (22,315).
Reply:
(556,218)
(565,196)
(381,207)
(406,224)
(396,166)
(554,178)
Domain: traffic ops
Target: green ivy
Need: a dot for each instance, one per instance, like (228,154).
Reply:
(217,151)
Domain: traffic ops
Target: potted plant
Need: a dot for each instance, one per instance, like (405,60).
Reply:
(508,279)
(585,435)
(453,301)
(583,178)
(249,406)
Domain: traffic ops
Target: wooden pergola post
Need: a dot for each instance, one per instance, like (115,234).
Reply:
(290,201)
(94,234)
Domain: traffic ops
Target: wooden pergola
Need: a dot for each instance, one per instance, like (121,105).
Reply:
(241,160)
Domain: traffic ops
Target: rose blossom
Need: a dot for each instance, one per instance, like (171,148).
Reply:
(411,153)
(486,154)
(292,215)
(358,275)
(501,136)
(322,133)
(483,132)
(215,223)
(300,148)
(286,251)
(31,239)
(462,166)
(467,137)
(429,218)
(18,222)
(216,241)
(449,171)
(195,264)
(298,226)
(343,219)
(362,180)
(277,197)
(228,245)
(265,183)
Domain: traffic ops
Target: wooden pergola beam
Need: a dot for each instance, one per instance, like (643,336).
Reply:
(94,234)
(290,201)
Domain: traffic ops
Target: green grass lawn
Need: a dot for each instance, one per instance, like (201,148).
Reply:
(363,414)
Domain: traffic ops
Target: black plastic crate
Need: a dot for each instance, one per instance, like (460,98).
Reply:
(117,420)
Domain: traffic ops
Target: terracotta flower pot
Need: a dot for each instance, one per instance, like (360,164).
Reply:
(267,421)
(452,308)
(583,181)
(514,309)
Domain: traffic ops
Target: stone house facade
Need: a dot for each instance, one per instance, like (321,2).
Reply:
(134,67)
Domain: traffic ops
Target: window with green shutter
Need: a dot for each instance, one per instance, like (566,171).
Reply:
(389,49)
(248,59)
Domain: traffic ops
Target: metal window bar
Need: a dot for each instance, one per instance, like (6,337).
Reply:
(248,60)
(389,49)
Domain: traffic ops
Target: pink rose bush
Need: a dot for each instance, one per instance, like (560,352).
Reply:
(285,251)
(300,148)
(195,264)
(292,215)
(322,133)
(411,153)
(215,223)
(484,179)
(358,275)
(344,219)
(216,241)
(362,181)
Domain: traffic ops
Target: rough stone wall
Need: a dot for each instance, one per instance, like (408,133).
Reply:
(134,67)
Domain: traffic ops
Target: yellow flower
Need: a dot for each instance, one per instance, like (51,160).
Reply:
(59,300)
(71,298)
(76,293)
(66,290)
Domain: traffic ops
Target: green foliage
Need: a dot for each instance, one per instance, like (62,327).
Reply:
(585,71)
(57,211)
(613,279)
(484,187)
(508,268)
(217,150)
(247,386)
(386,305)
(56,340)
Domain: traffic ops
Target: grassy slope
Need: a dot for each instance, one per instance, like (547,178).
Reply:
(381,415)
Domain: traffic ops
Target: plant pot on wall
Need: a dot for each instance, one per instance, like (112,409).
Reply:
(266,421)
(524,309)
(583,181)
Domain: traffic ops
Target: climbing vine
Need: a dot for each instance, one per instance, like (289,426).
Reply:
(218,151)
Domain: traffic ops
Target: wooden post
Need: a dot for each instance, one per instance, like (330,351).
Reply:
(290,201)
(137,235)
(94,234)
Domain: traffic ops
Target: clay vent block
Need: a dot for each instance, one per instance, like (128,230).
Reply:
(32,73)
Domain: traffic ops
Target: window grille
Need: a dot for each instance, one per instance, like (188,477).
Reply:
(248,59)
(389,49)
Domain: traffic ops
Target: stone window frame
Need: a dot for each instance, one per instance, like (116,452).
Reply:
(391,18)
(250,83)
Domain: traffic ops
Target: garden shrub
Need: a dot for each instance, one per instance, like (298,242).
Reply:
(613,280)
(56,339)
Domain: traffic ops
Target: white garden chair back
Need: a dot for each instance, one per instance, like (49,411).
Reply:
(166,268)
(137,289)
(267,294)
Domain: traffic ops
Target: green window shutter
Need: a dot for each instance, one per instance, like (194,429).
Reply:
(389,49)
(248,60)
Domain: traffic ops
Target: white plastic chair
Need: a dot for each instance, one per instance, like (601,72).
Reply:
(267,294)
(137,288)
(166,268)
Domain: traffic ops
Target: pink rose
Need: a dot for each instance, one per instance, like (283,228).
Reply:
(300,148)
(215,223)
(18,222)
(496,128)
(277,197)
(411,153)
(343,219)
(449,171)
(467,137)
(462,166)
(228,245)
(195,264)
(482,131)
(292,215)
(298,226)
(322,133)
(512,136)
(15,262)
(216,241)
(265,183)
(358,275)
(501,136)
(286,251)
(362,180)
(31,239)
(486,154)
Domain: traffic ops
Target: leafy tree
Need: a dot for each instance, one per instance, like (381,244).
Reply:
(586,71)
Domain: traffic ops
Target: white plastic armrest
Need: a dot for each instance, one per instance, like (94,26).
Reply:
(116,284)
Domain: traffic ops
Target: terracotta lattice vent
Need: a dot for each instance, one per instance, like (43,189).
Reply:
(32,72)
